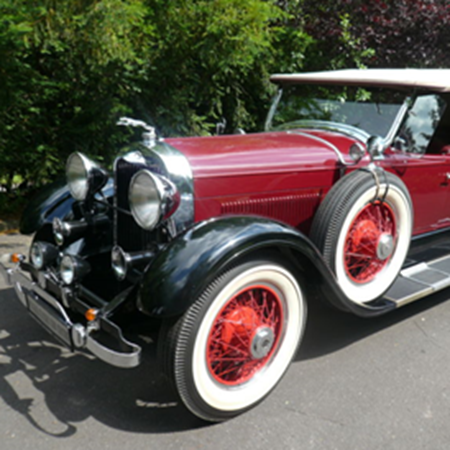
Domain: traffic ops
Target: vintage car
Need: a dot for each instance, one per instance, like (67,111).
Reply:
(222,241)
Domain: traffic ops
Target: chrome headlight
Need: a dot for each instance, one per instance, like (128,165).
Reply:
(152,199)
(37,256)
(42,254)
(73,269)
(84,177)
(67,270)
(59,230)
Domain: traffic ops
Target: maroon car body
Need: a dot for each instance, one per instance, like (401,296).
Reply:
(223,240)
(285,176)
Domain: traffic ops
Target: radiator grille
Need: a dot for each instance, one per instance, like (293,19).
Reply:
(127,233)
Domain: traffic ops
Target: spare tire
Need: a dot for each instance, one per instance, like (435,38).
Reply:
(363,229)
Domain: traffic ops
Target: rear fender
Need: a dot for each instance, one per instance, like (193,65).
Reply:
(180,273)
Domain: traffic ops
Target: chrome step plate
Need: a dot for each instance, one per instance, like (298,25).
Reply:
(420,280)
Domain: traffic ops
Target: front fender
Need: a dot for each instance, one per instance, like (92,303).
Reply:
(180,273)
(54,200)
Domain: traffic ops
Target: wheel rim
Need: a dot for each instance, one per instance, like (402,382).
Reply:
(370,242)
(244,335)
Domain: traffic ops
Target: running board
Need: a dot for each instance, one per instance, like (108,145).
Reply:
(420,280)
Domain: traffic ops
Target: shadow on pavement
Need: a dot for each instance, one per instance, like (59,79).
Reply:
(329,330)
(47,384)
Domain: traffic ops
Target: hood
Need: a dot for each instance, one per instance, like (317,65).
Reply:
(273,152)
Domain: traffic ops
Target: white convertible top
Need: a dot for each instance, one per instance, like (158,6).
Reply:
(437,80)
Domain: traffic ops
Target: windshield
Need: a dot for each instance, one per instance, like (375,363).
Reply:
(355,111)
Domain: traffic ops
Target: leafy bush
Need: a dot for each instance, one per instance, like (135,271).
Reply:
(386,33)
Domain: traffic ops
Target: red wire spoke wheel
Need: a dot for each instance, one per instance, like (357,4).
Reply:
(363,231)
(370,242)
(236,341)
(244,335)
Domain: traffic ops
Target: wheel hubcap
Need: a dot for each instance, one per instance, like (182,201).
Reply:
(370,242)
(244,335)
(262,342)
(385,246)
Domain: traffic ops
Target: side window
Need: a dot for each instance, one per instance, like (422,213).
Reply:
(420,124)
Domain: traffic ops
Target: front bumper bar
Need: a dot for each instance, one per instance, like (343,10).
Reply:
(50,313)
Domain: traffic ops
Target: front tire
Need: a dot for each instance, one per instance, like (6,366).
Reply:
(236,341)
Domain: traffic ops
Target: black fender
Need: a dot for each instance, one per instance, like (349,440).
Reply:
(181,271)
(54,200)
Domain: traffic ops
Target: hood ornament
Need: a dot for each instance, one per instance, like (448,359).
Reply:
(149,136)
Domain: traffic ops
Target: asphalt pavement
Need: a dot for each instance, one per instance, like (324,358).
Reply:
(355,384)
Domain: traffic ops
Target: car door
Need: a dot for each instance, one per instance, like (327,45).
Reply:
(427,181)
(421,161)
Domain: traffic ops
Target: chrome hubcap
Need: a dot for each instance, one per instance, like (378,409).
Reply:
(262,342)
(385,246)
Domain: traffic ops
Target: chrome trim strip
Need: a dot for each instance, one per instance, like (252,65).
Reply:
(326,125)
(323,141)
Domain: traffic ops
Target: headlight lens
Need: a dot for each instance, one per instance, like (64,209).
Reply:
(42,254)
(145,197)
(37,256)
(77,173)
(58,230)
(152,199)
(84,177)
(67,269)
(73,268)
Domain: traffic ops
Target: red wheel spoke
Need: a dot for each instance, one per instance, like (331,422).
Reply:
(361,259)
(229,350)
(230,346)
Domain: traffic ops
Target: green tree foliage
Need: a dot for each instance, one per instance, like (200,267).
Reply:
(66,67)
(212,57)
(70,68)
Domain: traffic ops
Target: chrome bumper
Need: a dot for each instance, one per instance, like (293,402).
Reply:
(50,313)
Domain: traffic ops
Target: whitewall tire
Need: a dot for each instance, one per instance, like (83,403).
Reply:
(364,231)
(235,342)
